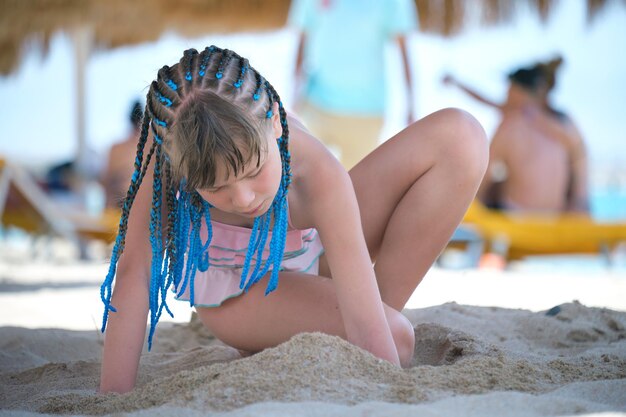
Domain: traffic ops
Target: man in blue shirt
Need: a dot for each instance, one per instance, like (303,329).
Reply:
(340,68)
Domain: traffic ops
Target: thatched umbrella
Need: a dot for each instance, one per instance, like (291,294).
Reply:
(449,17)
(112,23)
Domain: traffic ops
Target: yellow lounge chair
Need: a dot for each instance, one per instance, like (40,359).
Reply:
(535,234)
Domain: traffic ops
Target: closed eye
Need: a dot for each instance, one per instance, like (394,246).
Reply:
(256,174)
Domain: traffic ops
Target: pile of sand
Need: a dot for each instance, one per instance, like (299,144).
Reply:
(469,361)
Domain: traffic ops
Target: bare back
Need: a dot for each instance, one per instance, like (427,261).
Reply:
(537,163)
(120,167)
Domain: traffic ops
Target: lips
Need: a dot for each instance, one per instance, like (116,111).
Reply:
(257,209)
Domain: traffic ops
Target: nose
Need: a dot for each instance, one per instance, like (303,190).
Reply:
(242,196)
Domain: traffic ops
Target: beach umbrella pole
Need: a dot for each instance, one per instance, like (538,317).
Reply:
(82,39)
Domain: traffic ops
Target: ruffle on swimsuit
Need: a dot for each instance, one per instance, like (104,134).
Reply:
(227,253)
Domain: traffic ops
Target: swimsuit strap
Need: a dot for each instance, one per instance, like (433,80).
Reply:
(289,216)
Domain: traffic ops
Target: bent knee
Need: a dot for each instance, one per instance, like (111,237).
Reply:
(403,336)
(464,143)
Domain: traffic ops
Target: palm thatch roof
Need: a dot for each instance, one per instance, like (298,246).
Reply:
(114,23)
(449,17)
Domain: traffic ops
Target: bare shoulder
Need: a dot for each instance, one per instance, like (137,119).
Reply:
(116,150)
(506,130)
(302,142)
(316,175)
(513,120)
(124,150)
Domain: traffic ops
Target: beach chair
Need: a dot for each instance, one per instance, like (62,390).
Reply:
(536,234)
(469,240)
(23,204)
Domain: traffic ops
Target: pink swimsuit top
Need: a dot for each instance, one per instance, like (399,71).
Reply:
(227,253)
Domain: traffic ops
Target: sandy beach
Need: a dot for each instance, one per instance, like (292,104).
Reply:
(489,343)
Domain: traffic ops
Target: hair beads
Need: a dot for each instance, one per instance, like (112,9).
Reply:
(226,57)
(242,73)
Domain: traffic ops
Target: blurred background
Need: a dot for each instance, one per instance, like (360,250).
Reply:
(71,69)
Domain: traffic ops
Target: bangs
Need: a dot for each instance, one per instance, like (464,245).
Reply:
(211,139)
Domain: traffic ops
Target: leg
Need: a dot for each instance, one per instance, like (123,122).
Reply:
(301,303)
(413,191)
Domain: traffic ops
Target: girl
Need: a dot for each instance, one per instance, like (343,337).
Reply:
(254,222)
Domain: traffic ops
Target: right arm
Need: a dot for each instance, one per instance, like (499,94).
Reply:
(126,328)
(450,80)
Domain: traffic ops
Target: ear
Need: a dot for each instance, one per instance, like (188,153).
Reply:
(276,125)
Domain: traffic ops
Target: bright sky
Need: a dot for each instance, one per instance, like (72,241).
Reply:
(38,107)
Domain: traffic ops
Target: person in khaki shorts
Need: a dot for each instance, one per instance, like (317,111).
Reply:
(340,65)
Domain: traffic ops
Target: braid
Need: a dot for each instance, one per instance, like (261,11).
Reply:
(270,98)
(243,67)
(156,241)
(227,55)
(172,213)
(176,258)
(204,60)
(282,217)
(181,237)
(136,178)
(279,208)
(164,86)
(257,89)
(106,291)
(284,139)
(187,68)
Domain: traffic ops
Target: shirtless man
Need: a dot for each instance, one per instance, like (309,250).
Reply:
(537,156)
(120,166)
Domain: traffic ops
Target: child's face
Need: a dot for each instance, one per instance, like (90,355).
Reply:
(251,193)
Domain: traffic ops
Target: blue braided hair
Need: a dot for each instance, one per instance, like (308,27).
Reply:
(178,248)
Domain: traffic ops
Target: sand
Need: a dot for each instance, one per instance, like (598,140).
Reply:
(470,359)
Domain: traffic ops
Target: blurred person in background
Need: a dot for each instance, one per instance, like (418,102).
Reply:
(120,165)
(538,160)
(340,69)
(67,181)
(61,178)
